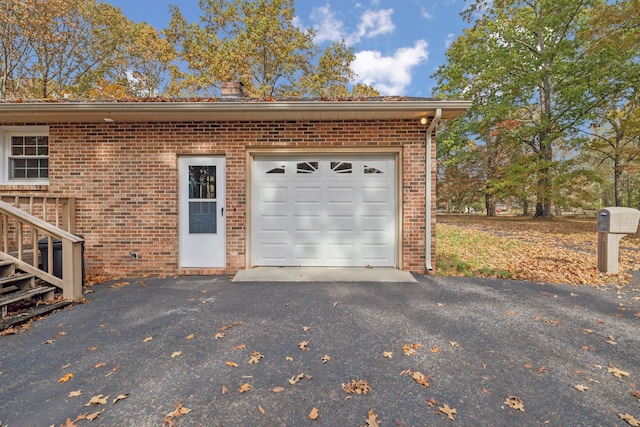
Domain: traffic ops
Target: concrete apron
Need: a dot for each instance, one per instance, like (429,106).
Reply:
(322,274)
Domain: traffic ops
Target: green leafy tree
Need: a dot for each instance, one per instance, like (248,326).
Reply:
(255,42)
(526,56)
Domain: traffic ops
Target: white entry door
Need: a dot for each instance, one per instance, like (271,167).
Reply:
(202,212)
(324,211)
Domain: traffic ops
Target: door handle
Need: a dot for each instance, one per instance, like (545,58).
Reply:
(222,211)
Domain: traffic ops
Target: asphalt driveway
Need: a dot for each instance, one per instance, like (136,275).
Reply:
(481,345)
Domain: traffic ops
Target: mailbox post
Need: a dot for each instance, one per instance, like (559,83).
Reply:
(613,224)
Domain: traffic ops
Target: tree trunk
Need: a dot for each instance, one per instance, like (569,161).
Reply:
(617,181)
(525,207)
(490,203)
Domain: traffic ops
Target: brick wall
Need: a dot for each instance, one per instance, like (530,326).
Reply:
(125,179)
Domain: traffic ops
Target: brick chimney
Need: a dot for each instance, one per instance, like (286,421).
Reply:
(232,90)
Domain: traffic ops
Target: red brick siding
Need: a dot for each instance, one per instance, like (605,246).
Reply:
(125,179)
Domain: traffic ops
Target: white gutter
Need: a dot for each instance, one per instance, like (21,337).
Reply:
(428,184)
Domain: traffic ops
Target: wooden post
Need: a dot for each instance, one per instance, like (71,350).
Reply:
(69,215)
(72,270)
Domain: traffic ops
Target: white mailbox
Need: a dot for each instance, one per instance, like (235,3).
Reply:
(613,224)
(618,220)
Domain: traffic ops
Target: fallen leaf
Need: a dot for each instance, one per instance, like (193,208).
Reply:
(314,414)
(632,421)
(325,358)
(119,398)
(244,388)
(303,345)
(334,304)
(176,354)
(190,336)
(449,412)
(294,379)
(218,336)
(92,348)
(435,349)
(95,415)
(306,328)
(591,380)
(432,402)
(589,331)
(528,366)
(76,393)
(486,391)
(454,344)
(288,359)
(232,364)
(372,420)
(278,389)
(49,342)
(261,410)
(65,378)
(98,400)
(511,312)
(357,387)
(399,423)
(147,339)
(119,285)
(240,347)
(69,423)
(542,370)
(225,390)
(60,334)
(113,371)
(611,342)
(255,357)
(589,348)
(100,365)
(515,403)
(636,394)
(419,378)
(388,354)
(411,349)
(178,412)
(618,373)
(581,388)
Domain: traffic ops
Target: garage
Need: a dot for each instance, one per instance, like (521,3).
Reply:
(324,210)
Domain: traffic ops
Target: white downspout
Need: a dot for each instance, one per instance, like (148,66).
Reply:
(428,184)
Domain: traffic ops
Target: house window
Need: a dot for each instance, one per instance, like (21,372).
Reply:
(29,158)
(26,155)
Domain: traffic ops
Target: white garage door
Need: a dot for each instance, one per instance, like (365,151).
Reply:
(324,211)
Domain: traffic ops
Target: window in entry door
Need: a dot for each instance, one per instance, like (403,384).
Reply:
(202,199)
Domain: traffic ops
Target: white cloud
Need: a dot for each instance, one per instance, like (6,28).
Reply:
(328,26)
(373,23)
(449,40)
(390,75)
(425,13)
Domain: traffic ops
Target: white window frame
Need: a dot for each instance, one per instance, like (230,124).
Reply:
(6,132)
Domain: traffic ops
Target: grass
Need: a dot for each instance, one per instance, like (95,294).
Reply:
(558,250)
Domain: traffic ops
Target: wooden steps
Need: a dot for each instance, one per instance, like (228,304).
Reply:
(16,286)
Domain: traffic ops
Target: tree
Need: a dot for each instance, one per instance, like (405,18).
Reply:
(615,136)
(13,44)
(525,56)
(255,42)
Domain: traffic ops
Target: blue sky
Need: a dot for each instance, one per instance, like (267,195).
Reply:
(398,43)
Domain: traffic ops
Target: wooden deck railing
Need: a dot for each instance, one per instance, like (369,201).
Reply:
(57,211)
(19,235)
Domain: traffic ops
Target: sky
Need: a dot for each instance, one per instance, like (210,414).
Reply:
(398,44)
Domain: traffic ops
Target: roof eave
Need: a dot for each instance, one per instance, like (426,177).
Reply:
(96,112)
